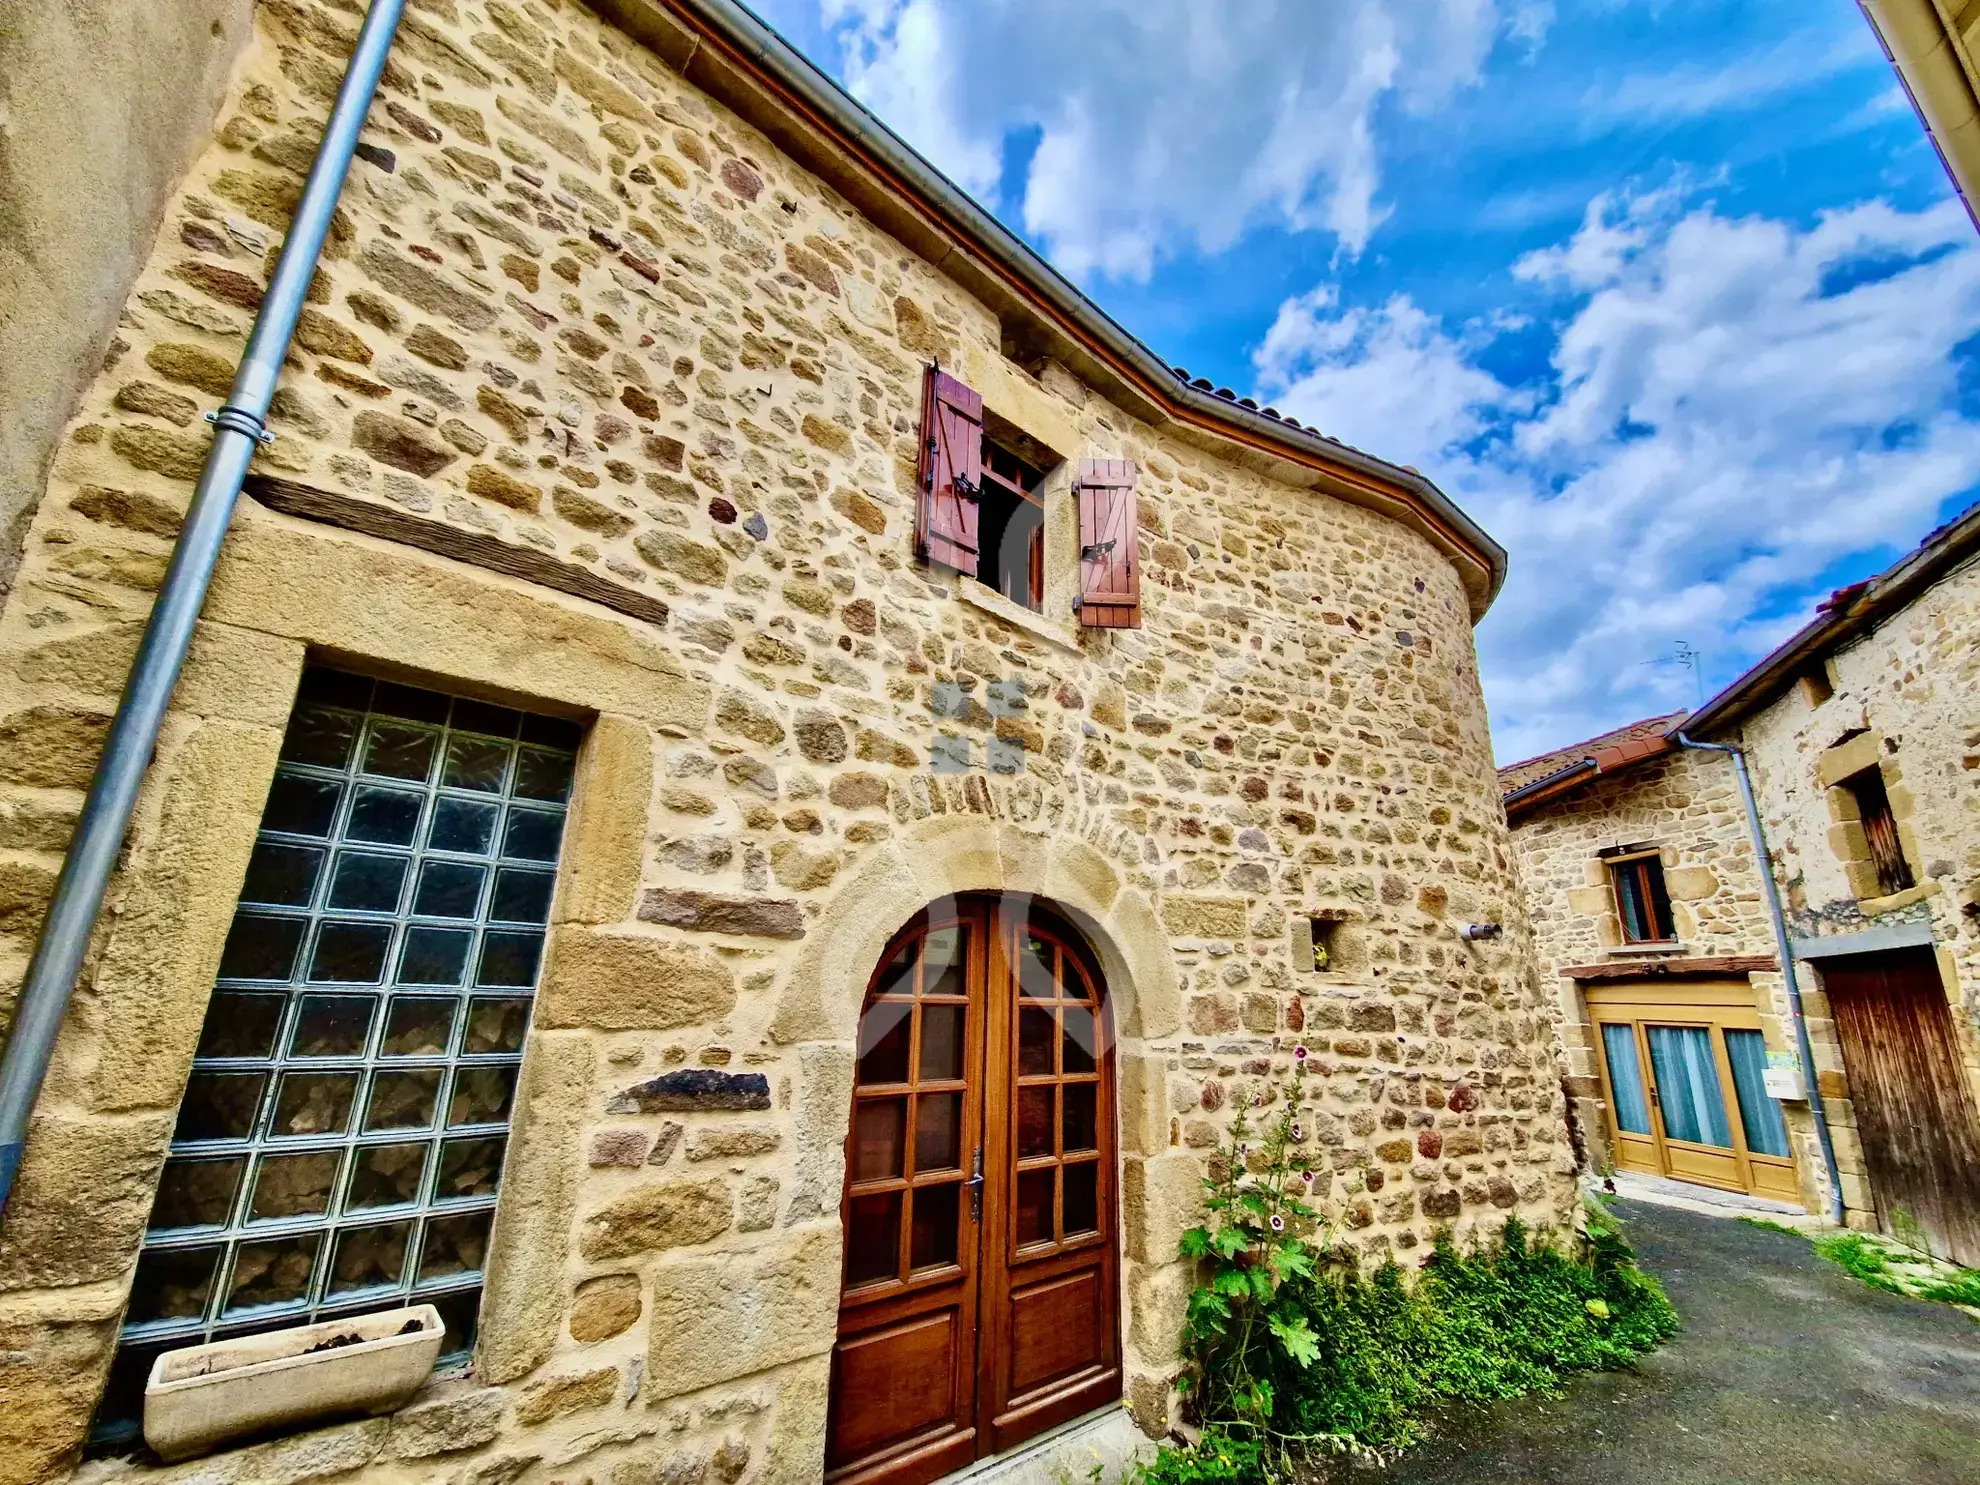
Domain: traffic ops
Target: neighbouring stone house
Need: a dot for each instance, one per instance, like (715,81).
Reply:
(1648,912)
(606,871)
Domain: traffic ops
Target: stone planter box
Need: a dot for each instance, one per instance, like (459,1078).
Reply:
(204,1396)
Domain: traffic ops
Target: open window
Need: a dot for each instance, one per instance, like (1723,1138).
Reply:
(1011,519)
(984,511)
(1880,829)
(1643,903)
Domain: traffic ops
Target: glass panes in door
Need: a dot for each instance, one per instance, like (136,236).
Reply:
(1058,1052)
(341,1137)
(1688,1085)
(1759,1114)
(1626,1079)
(912,1130)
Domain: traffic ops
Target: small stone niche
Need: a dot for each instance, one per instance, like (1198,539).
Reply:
(1320,943)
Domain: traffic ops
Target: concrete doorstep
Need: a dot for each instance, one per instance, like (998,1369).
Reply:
(1706,1201)
(1103,1446)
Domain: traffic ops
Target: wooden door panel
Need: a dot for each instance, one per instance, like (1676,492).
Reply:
(900,1381)
(1909,1090)
(975,1313)
(1051,1345)
(1056,1329)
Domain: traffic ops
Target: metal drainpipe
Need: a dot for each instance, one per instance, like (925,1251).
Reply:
(240,426)
(1786,951)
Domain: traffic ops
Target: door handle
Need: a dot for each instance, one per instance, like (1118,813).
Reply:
(974,1185)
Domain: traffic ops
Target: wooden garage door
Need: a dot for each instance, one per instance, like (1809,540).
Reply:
(979,1297)
(1909,1090)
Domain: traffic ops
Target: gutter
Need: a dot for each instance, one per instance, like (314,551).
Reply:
(240,427)
(1612,759)
(1931,15)
(1785,948)
(705,39)
(1551,782)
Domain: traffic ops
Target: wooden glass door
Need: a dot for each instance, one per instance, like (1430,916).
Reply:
(979,1294)
(1681,1064)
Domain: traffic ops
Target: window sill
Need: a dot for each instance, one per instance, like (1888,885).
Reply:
(1646,951)
(1064,634)
(1872,907)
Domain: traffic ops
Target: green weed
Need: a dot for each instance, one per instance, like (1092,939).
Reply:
(1294,1352)
(1772,1226)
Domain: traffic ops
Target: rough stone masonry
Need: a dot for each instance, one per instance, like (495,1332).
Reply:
(581,331)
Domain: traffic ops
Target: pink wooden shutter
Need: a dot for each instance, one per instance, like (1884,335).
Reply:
(1109,561)
(945,523)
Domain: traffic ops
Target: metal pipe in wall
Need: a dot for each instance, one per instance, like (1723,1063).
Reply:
(240,426)
(1785,948)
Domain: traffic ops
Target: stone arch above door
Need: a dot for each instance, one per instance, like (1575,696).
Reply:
(954,855)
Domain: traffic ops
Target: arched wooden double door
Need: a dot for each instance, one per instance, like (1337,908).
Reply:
(979,1296)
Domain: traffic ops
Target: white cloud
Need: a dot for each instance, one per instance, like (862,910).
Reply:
(1167,123)
(1795,63)
(1731,406)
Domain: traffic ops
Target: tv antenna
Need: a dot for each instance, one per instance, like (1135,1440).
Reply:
(1683,654)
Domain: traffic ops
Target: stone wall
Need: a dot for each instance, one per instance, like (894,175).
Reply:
(1902,702)
(1896,699)
(571,307)
(104,105)
(1686,805)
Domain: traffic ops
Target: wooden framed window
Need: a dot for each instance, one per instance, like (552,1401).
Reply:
(1880,828)
(341,1138)
(982,509)
(1011,522)
(1643,904)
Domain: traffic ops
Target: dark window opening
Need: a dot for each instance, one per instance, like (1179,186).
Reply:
(1880,828)
(1816,684)
(1325,933)
(1642,902)
(1011,511)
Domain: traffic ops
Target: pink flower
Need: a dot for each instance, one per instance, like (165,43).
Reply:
(1299,1052)
(1278,1223)
(1306,1176)
(1298,1134)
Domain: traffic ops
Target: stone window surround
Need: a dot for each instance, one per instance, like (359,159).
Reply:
(1596,898)
(1018,427)
(1835,766)
(1613,857)
(285,596)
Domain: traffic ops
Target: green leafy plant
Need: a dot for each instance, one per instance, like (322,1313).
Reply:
(1772,1226)
(1244,1325)
(1294,1352)
(1857,1256)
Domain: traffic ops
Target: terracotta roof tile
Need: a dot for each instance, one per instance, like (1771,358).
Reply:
(1517,775)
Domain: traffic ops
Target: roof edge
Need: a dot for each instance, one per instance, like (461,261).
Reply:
(1616,758)
(1851,611)
(727,51)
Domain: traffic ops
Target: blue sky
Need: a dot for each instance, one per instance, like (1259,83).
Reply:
(1672,295)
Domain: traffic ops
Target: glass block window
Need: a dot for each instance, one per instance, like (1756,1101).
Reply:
(341,1137)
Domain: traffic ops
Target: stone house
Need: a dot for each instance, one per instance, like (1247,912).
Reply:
(1650,914)
(755,787)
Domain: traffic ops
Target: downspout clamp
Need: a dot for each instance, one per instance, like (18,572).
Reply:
(1786,952)
(240,427)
